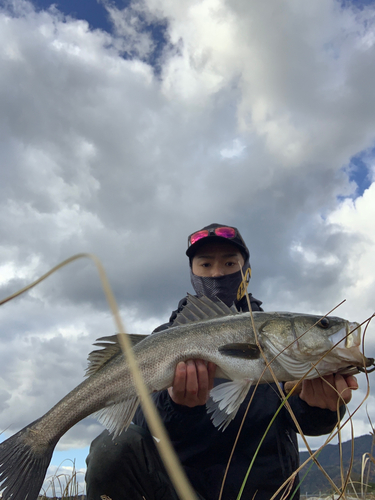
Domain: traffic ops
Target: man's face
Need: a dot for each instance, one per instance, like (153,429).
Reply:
(217,259)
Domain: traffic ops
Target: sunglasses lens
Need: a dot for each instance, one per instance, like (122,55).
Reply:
(198,236)
(225,232)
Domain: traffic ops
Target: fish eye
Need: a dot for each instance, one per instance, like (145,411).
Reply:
(324,323)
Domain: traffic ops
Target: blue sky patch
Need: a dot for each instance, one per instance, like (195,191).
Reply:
(90,10)
(358,3)
(94,12)
(359,172)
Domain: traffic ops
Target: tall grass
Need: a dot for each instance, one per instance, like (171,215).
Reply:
(64,485)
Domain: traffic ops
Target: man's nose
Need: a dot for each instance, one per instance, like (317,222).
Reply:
(217,271)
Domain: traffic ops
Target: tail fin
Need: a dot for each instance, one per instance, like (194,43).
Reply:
(22,469)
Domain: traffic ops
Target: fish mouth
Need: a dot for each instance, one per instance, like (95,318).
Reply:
(367,367)
(369,362)
(353,339)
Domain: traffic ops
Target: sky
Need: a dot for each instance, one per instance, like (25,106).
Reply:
(126,126)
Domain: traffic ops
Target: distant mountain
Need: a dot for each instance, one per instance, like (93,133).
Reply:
(329,458)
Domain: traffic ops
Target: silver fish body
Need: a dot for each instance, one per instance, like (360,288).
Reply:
(292,343)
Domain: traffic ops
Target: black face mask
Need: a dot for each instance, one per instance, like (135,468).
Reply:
(223,288)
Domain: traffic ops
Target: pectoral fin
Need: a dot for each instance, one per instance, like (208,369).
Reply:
(237,350)
(225,399)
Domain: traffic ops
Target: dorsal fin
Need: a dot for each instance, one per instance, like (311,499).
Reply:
(111,348)
(202,309)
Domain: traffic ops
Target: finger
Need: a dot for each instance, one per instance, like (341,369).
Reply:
(336,392)
(203,381)
(327,392)
(318,392)
(211,374)
(191,379)
(344,381)
(307,392)
(328,382)
(343,389)
(293,384)
(352,382)
(177,391)
(330,394)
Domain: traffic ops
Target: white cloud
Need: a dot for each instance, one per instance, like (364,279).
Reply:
(235,150)
(357,217)
(9,271)
(254,112)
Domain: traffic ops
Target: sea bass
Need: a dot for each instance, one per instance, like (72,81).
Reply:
(207,330)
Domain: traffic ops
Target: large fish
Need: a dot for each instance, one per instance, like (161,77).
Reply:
(205,330)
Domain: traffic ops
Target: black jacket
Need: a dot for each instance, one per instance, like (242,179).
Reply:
(241,306)
(204,450)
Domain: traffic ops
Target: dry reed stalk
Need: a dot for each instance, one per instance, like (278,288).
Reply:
(167,453)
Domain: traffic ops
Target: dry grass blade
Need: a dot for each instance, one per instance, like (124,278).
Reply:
(332,436)
(337,432)
(369,458)
(155,423)
(287,485)
(349,419)
(284,402)
(63,485)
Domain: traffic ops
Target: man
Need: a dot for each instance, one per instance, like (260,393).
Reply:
(129,466)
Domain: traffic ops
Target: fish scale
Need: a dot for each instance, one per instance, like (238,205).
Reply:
(204,330)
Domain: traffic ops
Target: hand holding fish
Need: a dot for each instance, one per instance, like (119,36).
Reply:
(324,392)
(192,383)
(194,379)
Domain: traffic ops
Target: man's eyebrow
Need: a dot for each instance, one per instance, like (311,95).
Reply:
(210,256)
